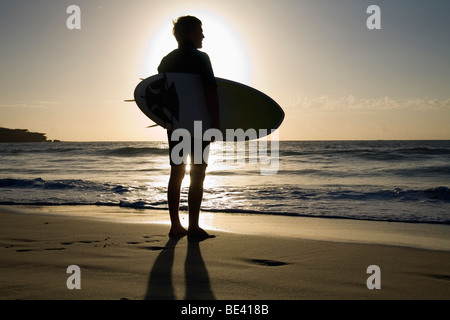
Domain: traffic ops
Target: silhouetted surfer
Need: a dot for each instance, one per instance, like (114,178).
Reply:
(187,59)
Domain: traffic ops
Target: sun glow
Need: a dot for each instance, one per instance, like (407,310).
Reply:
(227,51)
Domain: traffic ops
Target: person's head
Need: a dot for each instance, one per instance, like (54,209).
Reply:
(188,28)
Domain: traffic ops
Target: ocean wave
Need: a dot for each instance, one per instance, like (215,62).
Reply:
(442,193)
(69,184)
(426,151)
(162,206)
(37,148)
(85,149)
(371,150)
(264,193)
(378,180)
(426,170)
(136,151)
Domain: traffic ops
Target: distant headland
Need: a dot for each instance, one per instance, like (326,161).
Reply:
(22,135)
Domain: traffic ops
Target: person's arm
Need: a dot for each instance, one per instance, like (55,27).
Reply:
(212,99)
(210,84)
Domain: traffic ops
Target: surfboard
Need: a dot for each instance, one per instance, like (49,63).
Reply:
(178,101)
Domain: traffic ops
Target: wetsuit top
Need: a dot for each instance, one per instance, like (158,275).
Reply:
(187,59)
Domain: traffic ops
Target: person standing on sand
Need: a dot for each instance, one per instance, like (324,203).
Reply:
(188,59)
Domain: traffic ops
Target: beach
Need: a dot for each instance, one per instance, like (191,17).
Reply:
(329,179)
(130,256)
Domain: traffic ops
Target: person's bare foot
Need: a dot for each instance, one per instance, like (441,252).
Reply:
(177,232)
(199,234)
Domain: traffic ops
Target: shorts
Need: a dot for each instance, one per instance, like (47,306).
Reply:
(179,150)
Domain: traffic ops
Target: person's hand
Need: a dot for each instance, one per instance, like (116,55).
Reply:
(215,125)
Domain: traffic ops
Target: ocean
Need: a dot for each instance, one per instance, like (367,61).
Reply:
(404,181)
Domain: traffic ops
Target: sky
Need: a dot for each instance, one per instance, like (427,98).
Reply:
(335,78)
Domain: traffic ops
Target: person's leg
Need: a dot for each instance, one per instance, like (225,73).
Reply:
(173,198)
(177,173)
(195,196)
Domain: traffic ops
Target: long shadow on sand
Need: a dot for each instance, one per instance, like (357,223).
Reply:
(160,283)
(198,285)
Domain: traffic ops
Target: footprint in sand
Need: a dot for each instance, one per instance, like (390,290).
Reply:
(148,239)
(24,242)
(81,241)
(268,263)
(46,249)
(154,248)
(68,243)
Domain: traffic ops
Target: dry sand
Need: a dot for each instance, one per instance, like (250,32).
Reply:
(132,257)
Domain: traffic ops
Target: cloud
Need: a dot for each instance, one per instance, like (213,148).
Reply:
(326,102)
(30,105)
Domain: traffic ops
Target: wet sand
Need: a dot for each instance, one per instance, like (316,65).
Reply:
(126,254)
